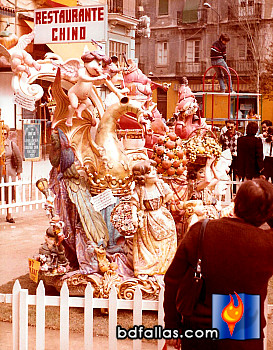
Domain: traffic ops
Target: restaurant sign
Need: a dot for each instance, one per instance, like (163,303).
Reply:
(71,24)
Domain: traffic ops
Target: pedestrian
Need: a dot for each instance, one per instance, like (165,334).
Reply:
(250,153)
(218,58)
(264,135)
(232,246)
(228,140)
(265,125)
(251,114)
(12,167)
(268,154)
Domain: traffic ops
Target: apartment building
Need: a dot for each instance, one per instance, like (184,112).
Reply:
(182,32)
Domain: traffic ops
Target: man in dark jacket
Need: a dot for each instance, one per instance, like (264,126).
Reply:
(250,153)
(218,58)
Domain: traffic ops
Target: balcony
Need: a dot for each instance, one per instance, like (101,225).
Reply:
(249,13)
(119,14)
(242,67)
(193,69)
(115,6)
(192,17)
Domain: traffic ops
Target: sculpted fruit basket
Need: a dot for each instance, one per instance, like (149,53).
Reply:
(200,146)
(170,155)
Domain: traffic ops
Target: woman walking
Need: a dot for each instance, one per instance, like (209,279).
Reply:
(12,166)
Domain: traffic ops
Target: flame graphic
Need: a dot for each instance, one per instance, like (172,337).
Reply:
(232,314)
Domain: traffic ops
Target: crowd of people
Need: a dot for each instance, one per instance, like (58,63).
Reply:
(251,153)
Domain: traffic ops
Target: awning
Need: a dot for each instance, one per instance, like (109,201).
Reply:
(71,50)
(67,51)
(59,3)
(190,11)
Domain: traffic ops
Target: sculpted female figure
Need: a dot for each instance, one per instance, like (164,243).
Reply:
(201,182)
(155,242)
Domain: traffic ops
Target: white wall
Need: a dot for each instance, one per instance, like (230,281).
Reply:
(6,99)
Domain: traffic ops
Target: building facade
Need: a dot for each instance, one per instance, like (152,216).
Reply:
(182,32)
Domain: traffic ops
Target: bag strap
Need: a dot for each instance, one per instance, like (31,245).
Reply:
(12,146)
(198,274)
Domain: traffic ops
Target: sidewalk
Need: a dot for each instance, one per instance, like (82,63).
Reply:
(18,242)
(52,340)
(21,240)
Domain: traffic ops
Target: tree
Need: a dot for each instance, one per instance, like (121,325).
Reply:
(247,15)
(266,81)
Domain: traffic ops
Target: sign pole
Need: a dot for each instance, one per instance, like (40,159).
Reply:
(31,178)
(32,142)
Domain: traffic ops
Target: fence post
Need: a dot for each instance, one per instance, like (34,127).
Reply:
(2,194)
(15,314)
(64,317)
(9,199)
(265,330)
(137,315)
(88,317)
(40,316)
(113,318)
(23,314)
(17,193)
(160,320)
(24,197)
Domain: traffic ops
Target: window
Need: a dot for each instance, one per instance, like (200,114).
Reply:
(250,56)
(241,48)
(163,7)
(246,8)
(162,53)
(162,102)
(193,51)
(190,11)
(116,48)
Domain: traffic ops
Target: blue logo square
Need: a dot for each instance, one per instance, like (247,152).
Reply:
(236,316)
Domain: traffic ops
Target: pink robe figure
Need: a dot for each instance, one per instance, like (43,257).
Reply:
(139,84)
(185,111)
(184,93)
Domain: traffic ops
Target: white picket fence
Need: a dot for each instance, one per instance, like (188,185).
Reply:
(20,300)
(27,195)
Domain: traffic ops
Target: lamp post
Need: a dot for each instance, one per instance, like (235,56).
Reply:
(207,5)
